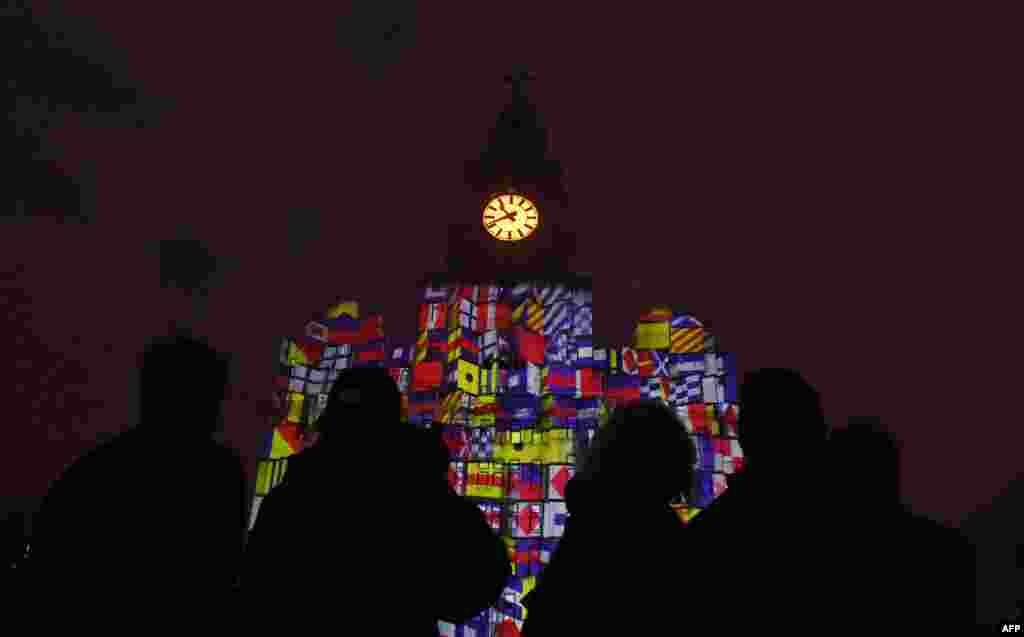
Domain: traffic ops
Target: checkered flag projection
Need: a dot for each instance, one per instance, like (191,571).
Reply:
(515,382)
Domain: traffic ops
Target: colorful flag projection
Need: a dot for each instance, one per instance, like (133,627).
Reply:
(516,383)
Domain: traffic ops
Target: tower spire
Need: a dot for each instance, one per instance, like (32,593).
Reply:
(517,147)
(517,80)
(515,159)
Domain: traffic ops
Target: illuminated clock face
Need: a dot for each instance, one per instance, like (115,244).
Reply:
(510,217)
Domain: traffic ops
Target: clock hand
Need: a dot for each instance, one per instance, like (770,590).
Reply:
(510,215)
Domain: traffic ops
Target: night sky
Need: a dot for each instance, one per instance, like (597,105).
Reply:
(830,190)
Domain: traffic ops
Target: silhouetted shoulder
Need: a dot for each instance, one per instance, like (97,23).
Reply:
(91,465)
(936,544)
(142,451)
(925,525)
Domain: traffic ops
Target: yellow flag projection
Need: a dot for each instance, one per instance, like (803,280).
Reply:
(421,347)
(295,356)
(652,335)
(535,317)
(448,409)
(295,404)
(486,480)
(484,411)
(469,377)
(286,441)
(712,419)
(269,473)
(688,340)
(343,308)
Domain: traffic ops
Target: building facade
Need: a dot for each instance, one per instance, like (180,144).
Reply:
(513,378)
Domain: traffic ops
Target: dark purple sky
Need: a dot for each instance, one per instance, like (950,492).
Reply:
(829,190)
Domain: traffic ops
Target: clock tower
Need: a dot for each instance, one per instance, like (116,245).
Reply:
(511,228)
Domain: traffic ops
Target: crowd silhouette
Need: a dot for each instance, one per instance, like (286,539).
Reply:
(811,535)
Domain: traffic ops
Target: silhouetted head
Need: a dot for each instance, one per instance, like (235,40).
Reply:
(361,397)
(864,462)
(643,450)
(781,419)
(12,539)
(183,385)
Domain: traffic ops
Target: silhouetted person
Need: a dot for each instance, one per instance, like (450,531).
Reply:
(153,520)
(618,568)
(12,552)
(763,538)
(893,568)
(364,531)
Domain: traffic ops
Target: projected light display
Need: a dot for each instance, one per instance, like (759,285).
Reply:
(516,383)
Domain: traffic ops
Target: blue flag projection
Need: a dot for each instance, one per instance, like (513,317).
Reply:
(515,381)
